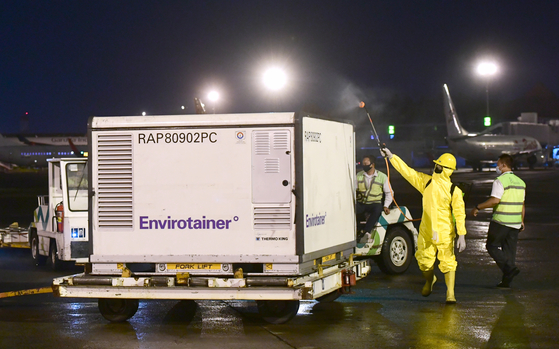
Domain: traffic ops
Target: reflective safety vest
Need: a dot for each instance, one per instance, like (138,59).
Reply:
(373,195)
(509,210)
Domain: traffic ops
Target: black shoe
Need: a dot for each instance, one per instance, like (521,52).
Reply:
(503,284)
(507,279)
(360,235)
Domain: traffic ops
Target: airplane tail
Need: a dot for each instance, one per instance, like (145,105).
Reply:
(199,106)
(453,127)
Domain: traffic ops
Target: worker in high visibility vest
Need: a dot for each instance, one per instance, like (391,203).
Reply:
(441,200)
(371,185)
(507,201)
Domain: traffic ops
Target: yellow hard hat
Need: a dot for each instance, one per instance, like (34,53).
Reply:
(446,160)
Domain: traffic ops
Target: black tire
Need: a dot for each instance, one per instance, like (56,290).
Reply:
(118,310)
(38,260)
(330,297)
(277,312)
(55,262)
(396,254)
(532,160)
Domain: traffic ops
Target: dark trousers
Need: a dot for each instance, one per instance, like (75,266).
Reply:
(501,245)
(374,210)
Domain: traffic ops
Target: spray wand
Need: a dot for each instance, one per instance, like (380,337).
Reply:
(362,106)
(383,146)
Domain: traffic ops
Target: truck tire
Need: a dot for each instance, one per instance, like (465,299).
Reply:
(38,260)
(330,297)
(118,310)
(277,312)
(396,253)
(55,262)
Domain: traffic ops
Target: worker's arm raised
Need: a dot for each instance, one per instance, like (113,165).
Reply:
(417,179)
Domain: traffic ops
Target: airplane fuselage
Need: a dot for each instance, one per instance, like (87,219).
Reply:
(487,148)
(34,151)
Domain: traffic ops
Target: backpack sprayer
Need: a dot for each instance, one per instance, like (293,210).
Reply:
(383,146)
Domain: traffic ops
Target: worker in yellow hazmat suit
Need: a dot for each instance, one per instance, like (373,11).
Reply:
(436,231)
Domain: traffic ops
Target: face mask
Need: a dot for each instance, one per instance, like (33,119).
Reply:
(438,169)
(499,172)
(366,168)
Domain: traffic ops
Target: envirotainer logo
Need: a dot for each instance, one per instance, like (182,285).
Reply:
(313,220)
(188,223)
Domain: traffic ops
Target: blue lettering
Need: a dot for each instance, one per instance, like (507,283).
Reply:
(315,220)
(143,222)
(188,223)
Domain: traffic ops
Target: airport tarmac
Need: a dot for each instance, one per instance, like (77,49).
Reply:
(384,312)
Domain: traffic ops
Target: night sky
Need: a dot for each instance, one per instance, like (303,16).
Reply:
(63,61)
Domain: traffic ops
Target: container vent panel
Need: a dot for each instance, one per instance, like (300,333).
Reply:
(114,181)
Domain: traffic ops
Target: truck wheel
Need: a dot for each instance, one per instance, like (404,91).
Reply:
(118,310)
(330,297)
(37,258)
(396,251)
(277,312)
(55,262)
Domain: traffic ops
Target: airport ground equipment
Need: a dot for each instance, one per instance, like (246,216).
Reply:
(59,228)
(14,236)
(392,243)
(239,206)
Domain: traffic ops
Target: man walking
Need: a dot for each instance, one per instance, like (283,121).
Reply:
(507,199)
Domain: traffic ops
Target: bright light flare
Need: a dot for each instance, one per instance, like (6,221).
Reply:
(213,96)
(487,68)
(274,79)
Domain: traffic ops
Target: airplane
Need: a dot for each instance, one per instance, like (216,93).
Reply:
(33,151)
(485,147)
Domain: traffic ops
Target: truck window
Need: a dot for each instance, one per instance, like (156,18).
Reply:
(76,176)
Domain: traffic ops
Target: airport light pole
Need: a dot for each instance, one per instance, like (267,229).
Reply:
(213,96)
(487,70)
(274,79)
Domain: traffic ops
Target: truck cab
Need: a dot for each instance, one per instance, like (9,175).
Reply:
(59,229)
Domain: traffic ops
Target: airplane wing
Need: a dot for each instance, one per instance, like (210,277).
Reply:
(74,148)
(26,141)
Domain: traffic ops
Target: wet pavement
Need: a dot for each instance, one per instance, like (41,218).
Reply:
(384,312)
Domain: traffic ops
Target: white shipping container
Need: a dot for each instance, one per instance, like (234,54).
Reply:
(272,189)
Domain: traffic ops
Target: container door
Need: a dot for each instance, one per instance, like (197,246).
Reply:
(271,166)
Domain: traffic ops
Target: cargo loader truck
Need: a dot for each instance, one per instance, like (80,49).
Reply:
(58,230)
(221,207)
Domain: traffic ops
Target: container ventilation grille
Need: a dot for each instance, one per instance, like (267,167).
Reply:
(272,165)
(272,217)
(261,143)
(114,181)
(281,140)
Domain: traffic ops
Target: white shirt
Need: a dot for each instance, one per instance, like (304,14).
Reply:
(386,187)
